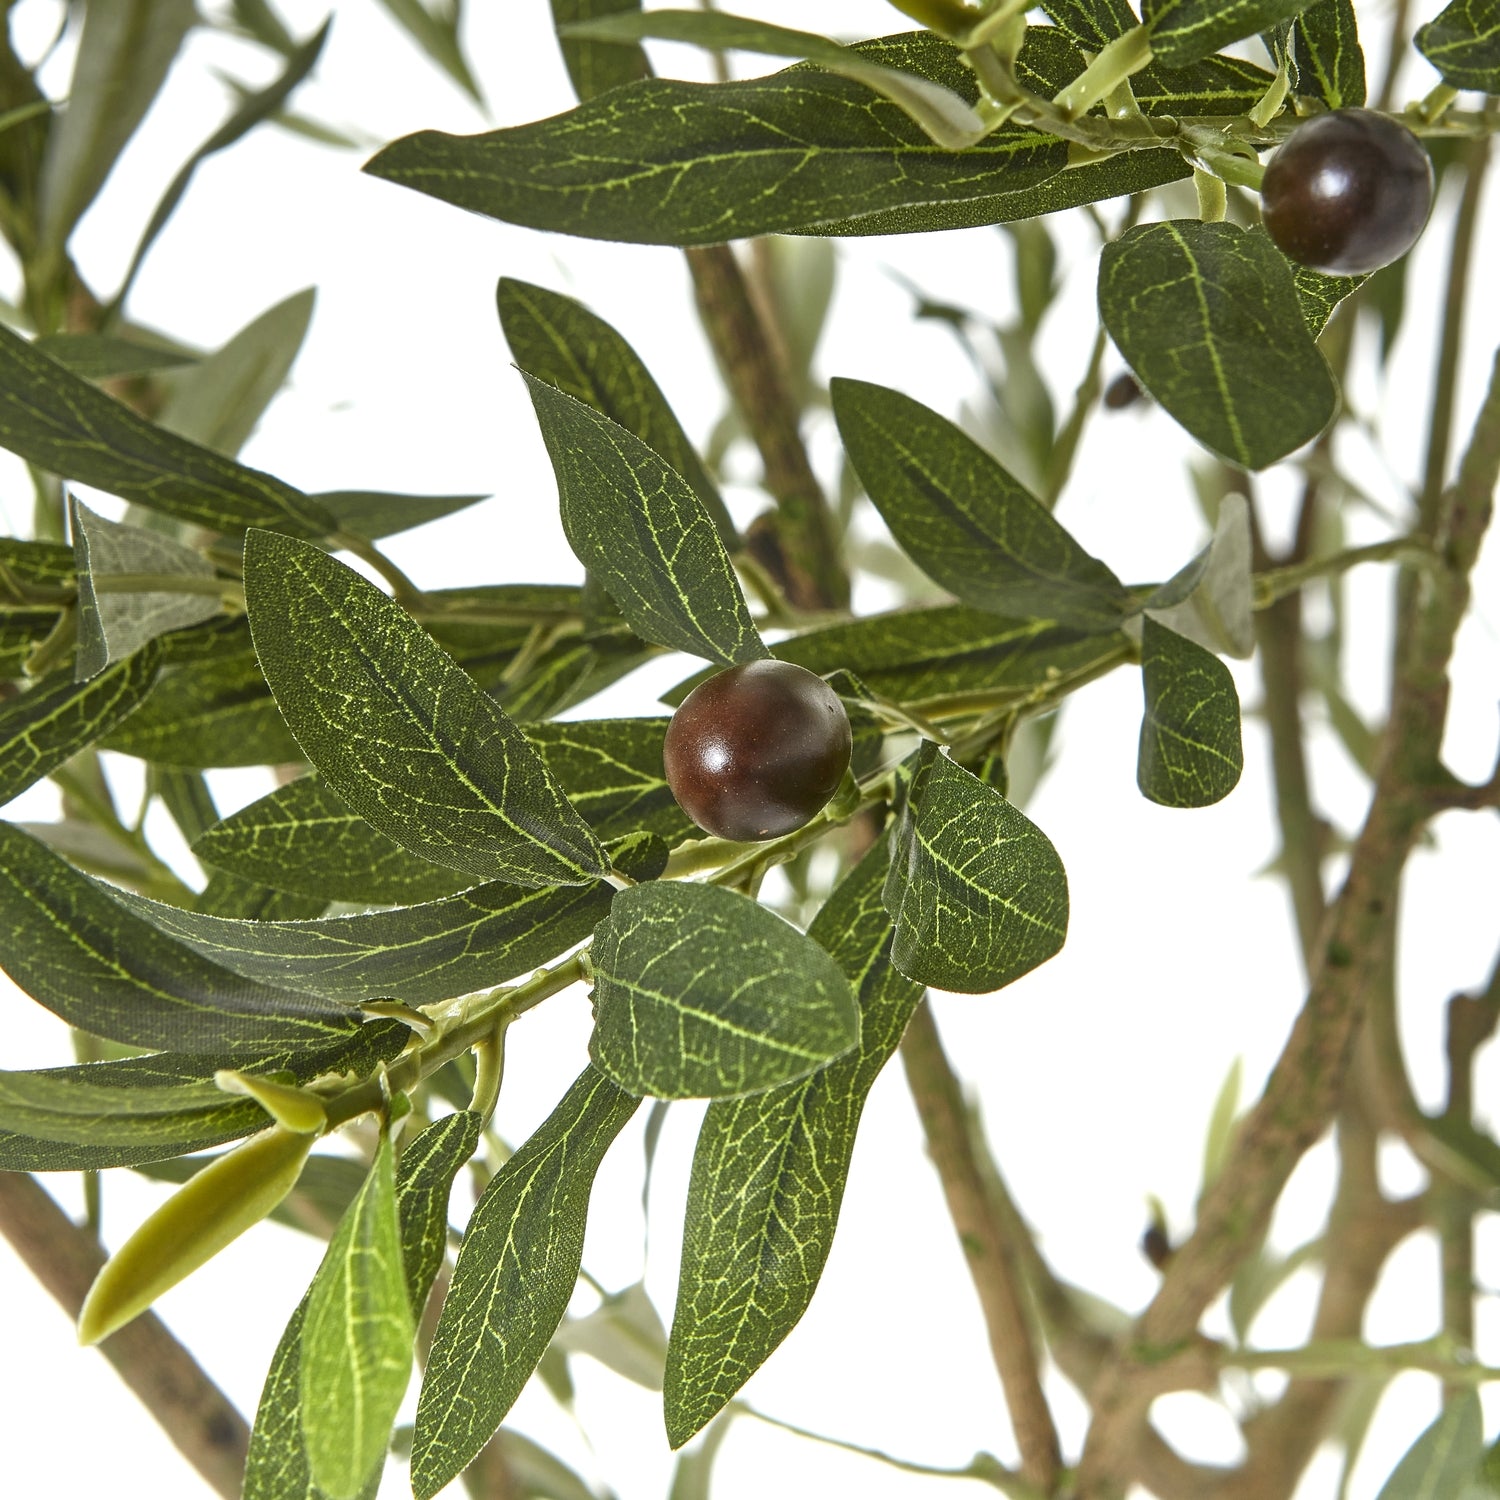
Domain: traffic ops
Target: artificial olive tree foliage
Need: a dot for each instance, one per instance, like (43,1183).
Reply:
(453,840)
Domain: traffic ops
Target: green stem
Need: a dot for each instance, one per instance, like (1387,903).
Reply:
(1124,56)
(1436,104)
(1269,105)
(1277,583)
(1213,201)
(946,17)
(405,590)
(1065,446)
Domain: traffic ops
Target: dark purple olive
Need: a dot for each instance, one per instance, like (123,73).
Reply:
(1348,192)
(757,750)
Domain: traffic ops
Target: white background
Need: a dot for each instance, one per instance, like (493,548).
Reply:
(1097,1073)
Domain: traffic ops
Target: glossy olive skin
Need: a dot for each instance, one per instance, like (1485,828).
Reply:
(1348,192)
(757,750)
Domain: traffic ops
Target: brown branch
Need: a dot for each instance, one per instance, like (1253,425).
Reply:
(168,1381)
(991,1255)
(795,543)
(1305,1086)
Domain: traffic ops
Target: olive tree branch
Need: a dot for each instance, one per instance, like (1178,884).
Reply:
(992,1255)
(1305,1086)
(193,1412)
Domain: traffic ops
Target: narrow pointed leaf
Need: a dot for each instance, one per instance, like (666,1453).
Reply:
(420,954)
(635,523)
(1463,44)
(1208,318)
(942,116)
(560,341)
(977,892)
(112,625)
(594,67)
(662,162)
(399,731)
(516,1272)
(435,30)
(377,513)
(252,109)
(1190,752)
(1330,61)
(303,838)
(357,1340)
(42,728)
(102,356)
(215,712)
(1183,31)
(424,1180)
(769,1172)
(60,422)
(123,56)
(82,955)
(700,992)
(965,521)
(222,400)
(1445,1458)
(1319,295)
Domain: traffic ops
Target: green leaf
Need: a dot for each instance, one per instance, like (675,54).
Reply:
(375,513)
(1208,318)
(769,1173)
(636,524)
(229,896)
(594,67)
(302,838)
(434,28)
(419,954)
(1190,753)
(357,1336)
(1318,295)
(1093,24)
(54,720)
(48,564)
(965,521)
(700,992)
(399,731)
(219,403)
(60,422)
(928,657)
(216,712)
(976,890)
(941,115)
(123,56)
(662,162)
(102,356)
(112,625)
(561,342)
(1445,1458)
(515,1274)
(1183,31)
(424,1180)
(82,955)
(253,108)
(1211,600)
(539,1474)
(1330,61)
(571,673)
(114,1140)
(1463,44)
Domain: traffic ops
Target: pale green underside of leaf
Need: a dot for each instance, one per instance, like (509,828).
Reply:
(82,955)
(112,625)
(1445,1458)
(60,422)
(46,1130)
(58,717)
(964,519)
(101,356)
(700,992)
(1463,44)
(515,1274)
(1330,61)
(560,341)
(977,892)
(638,526)
(420,954)
(357,1332)
(768,1177)
(404,736)
(1207,316)
(1190,752)
(1184,31)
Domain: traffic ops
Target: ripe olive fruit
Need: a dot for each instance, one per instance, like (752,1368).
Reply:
(755,751)
(1347,193)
